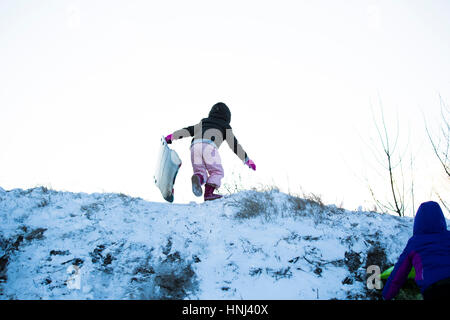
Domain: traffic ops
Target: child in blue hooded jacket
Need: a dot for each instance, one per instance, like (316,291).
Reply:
(428,250)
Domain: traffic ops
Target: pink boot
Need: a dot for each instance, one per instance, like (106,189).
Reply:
(209,192)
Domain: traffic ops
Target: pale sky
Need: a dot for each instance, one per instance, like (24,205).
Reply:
(87,88)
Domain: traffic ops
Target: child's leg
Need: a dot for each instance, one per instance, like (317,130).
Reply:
(213,164)
(198,165)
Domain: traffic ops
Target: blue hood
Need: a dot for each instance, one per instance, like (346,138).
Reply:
(429,219)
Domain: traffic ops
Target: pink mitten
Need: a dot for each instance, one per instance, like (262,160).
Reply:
(251,164)
(169,138)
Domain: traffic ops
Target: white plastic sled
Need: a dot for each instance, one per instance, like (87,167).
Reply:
(167,166)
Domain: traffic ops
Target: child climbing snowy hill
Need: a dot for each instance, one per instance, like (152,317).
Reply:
(208,136)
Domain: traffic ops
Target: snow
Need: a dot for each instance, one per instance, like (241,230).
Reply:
(118,247)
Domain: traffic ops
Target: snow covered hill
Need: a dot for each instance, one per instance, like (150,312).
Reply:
(250,245)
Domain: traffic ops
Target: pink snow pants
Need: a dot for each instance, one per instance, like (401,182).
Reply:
(206,160)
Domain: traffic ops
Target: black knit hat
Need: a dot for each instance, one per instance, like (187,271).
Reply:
(220,111)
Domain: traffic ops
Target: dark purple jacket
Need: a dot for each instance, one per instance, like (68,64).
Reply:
(428,250)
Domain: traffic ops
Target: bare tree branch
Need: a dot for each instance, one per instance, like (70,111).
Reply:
(445,204)
(398,194)
(442,153)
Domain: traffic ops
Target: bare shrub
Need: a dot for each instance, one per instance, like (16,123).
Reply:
(264,202)
(254,204)
(298,204)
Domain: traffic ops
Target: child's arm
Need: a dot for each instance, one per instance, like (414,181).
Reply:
(182,133)
(234,145)
(399,275)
